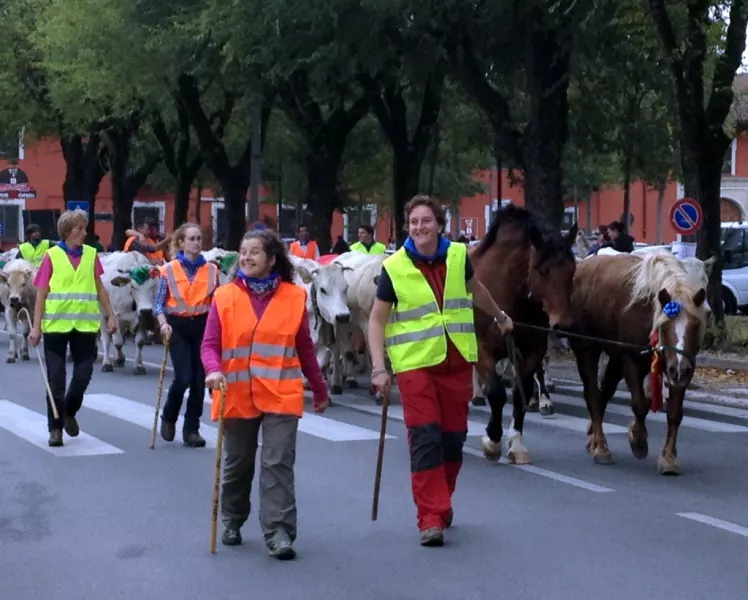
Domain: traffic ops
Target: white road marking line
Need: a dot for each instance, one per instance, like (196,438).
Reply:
(585,485)
(395,412)
(718,523)
(660,417)
(139,414)
(330,429)
(32,427)
(557,420)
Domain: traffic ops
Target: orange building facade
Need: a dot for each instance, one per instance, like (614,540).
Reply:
(31,192)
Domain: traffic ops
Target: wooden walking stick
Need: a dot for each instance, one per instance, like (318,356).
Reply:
(161,376)
(380,457)
(217,480)
(52,404)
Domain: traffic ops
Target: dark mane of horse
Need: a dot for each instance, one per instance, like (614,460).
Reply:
(547,239)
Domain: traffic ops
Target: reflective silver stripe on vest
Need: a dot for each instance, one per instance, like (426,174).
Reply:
(426,334)
(455,303)
(422,311)
(71,317)
(264,350)
(263,373)
(81,297)
(182,306)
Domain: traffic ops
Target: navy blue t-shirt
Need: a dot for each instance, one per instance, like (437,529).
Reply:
(386,291)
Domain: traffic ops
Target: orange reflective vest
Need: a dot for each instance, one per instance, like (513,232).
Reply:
(187,299)
(156,258)
(309,252)
(258,357)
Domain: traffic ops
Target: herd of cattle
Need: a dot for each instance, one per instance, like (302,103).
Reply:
(340,297)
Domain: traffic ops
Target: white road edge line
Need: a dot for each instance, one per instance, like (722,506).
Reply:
(714,522)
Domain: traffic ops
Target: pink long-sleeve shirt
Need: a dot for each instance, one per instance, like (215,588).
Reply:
(211,348)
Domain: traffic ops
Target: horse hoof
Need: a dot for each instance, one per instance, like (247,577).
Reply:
(639,448)
(10,359)
(519,458)
(119,363)
(668,466)
(551,387)
(107,368)
(602,457)
(533,407)
(25,357)
(491,450)
(336,389)
(139,370)
(479,401)
(546,410)
(352,383)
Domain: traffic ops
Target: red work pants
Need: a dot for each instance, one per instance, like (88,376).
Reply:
(435,406)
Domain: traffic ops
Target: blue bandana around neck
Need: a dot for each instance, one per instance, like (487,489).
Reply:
(194,264)
(441,249)
(259,285)
(77,252)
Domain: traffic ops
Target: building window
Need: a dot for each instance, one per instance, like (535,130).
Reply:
(11,146)
(358,215)
(11,224)
(149,212)
(46,219)
(288,223)
(728,164)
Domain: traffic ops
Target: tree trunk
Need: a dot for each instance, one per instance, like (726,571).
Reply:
(661,187)
(627,189)
(322,180)
(406,177)
(121,200)
(182,200)
(84,170)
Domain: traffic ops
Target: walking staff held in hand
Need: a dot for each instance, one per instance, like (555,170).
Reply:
(182,304)
(68,292)
(257,343)
(423,313)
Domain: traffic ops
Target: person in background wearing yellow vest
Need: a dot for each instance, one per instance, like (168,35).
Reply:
(423,313)
(257,344)
(142,239)
(303,247)
(68,294)
(181,307)
(366,243)
(34,248)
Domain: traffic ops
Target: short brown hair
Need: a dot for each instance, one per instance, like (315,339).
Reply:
(68,220)
(425,200)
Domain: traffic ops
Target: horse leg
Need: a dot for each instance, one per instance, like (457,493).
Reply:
(541,391)
(517,453)
(667,462)
(478,397)
(587,365)
(640,407)
(496,395)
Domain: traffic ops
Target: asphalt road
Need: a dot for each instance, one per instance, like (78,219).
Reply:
(107,518)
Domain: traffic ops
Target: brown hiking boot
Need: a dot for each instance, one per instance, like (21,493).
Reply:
(193,439)
(55,438)
(168,430)
(433,537)
(71,427)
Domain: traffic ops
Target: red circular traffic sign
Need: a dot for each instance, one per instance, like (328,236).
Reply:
(686,216)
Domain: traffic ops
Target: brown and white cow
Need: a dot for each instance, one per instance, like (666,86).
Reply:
(17,292)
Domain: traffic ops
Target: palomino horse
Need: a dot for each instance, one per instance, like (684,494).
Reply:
(626,299)
(528,268)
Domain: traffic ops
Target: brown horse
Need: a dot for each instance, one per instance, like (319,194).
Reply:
(622,298)
(528,268)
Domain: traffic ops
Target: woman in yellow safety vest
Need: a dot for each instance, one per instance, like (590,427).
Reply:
(423,313)
(68,293)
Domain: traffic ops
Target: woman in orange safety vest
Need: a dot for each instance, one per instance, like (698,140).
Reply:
(182,304)
(257,344)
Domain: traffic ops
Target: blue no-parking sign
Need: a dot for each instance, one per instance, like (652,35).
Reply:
(686,216)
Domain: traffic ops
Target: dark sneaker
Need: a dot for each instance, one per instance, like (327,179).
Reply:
(231,537)
(168,430)
(71,427)
(433,536)
(193,439)
(282,550)
(449,518)
(55,438)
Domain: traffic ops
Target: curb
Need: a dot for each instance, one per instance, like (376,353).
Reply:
(692,397)
(714,362)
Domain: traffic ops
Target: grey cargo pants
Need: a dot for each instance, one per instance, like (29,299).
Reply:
(277,489)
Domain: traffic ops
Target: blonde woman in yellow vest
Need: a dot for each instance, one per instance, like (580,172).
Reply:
(423,314)
(34,248)
(68,294)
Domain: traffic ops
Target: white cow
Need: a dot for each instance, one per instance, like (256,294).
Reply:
(326,289)
(17,292)
(132,303)
(362,274)
(216,256)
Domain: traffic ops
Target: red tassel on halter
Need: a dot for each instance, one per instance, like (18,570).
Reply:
(655,374)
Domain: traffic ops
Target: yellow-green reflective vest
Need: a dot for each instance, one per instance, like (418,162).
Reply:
(415,332)
(376,248)
(34,254)
(72,302)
